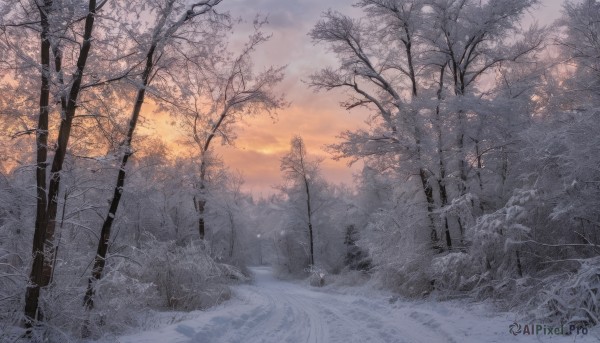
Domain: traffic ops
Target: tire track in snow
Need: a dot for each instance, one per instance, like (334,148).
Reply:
(275,311)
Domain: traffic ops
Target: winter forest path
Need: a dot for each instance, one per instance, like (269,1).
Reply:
(275,311)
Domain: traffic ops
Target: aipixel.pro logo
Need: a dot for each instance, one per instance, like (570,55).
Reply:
(546,330)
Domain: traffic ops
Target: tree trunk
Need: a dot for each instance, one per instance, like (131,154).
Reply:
(444,200)
(479,165)
(60,232)
(103,242)
(447,232)
(479,176)
(310,227)
(200,203)
(428,190)
(504,171)
(39,237)
(41,271)
(64,134)
(442,164)
(232,241)
(462,163)
(423,174)
(312,249)
(201,207)
(519,266)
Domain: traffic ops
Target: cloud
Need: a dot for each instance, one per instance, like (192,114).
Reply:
(261,143)
(285,14)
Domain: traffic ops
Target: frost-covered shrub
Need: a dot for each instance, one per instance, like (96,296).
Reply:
(356,258)
(408,275)
(16,223)
(316,276)
(291,252)
(396,244)
(493,259)
(573,298)
(462,207)
(454,271)
(352,278)
(496,237)
(187,278)
(159,276)
(120,296)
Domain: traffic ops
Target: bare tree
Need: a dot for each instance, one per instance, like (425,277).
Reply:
(302,172)
(377,77)
(217,93)
(395,64)
(69,90)
(170,18)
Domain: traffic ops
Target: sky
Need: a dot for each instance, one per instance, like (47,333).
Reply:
(317,117)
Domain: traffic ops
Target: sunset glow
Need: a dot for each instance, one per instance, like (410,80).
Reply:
(317,117)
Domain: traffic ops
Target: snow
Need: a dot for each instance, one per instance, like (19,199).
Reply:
(274,311)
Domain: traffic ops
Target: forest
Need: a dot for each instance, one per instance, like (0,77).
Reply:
(478,171)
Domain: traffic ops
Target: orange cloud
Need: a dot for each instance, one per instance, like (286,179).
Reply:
(262,143)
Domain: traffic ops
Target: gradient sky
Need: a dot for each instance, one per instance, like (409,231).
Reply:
(316,117)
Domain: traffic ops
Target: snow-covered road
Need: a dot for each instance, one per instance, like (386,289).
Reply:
(274,311)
